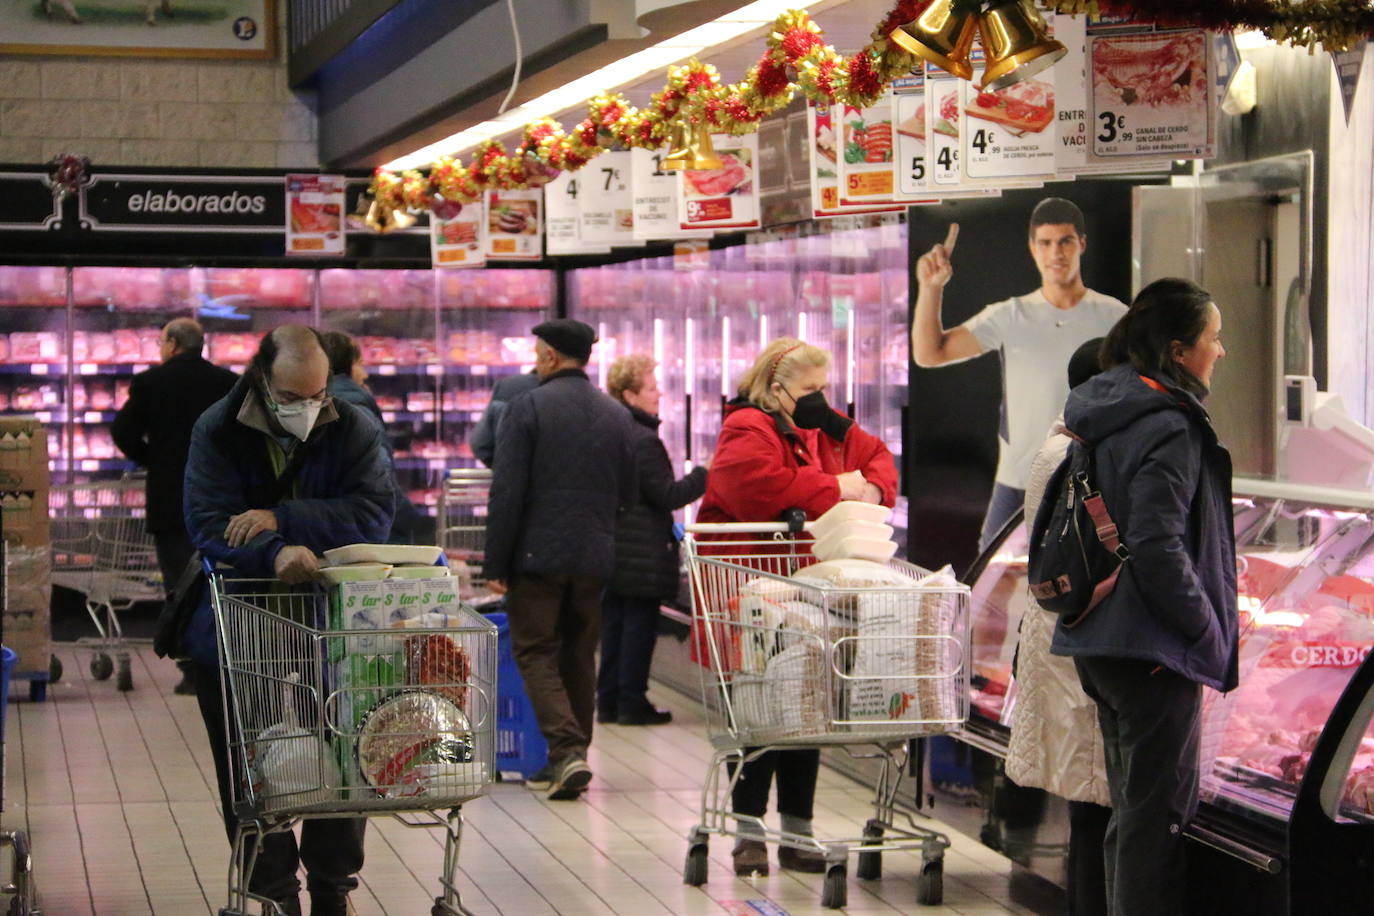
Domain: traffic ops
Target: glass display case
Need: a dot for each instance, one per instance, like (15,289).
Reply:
(34,364)
(1305,563)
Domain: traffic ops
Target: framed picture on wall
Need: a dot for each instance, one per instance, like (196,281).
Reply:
(142,28)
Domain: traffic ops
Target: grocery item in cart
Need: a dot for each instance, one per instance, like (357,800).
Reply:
(788,700)
(418,572)
(354,572)
(415,742)
(436,662)
(288,760)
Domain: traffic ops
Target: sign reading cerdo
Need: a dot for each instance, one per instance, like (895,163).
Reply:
(174,203)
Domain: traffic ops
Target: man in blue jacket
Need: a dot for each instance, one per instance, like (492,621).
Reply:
(564,467)
(279,472)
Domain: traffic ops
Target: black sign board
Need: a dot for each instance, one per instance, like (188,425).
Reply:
(190,203)
(27,202)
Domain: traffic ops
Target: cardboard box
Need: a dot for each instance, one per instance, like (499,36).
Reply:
(28,579)
(29,633)
(23,454)
(25,519)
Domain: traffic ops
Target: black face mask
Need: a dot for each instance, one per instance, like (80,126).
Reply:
(811,411)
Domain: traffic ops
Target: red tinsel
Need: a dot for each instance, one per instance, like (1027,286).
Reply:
(863,78)
(698,79)
(736,108)
(797,42)
(902,13)
(712,111)
(823,83)
(772,77)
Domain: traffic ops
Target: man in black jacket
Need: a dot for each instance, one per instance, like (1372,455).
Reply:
(564,467)
(153,428)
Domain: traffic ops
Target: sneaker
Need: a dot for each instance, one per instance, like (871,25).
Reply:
(648,716)
(807,860)
(572,779)
(751,857)
(542,779)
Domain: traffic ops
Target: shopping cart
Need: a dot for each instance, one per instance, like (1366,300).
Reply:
(462,523)
(350,722)
(808,663)
(102,549)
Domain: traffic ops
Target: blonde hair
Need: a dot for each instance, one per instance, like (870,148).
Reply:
(781,361)
(628,374)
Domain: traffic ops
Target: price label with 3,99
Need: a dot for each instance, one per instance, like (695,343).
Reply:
(1151,94)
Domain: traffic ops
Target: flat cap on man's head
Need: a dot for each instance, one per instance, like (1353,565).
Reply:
(568,336)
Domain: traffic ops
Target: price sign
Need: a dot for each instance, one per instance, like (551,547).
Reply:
(605,200)
(461,241)
(867,166)
(727,197)
(943,104)
(515,225)
(909,117)
(1151,94)
(563,215)
(1071,90)
(655,195)
(1010,133)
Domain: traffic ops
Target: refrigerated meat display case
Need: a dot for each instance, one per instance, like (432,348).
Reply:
(1286,817)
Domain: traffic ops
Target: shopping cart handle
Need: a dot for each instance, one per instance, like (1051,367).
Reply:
(742,528)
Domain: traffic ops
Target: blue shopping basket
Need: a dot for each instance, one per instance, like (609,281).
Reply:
(521,750)
(7,663)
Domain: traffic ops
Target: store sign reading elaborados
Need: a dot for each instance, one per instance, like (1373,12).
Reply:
(173,203)
(1299,654)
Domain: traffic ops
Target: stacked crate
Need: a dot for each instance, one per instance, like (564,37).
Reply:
(24,485)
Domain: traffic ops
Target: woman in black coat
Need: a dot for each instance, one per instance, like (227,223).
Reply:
(647,567)
(1169,627)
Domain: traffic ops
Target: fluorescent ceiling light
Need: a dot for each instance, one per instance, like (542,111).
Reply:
(612,76)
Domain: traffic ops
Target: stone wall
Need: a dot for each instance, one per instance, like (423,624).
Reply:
(129,111)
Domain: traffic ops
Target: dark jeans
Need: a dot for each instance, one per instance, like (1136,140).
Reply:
(331,849)
(1151,726)
(797,772)
(1002,506)
(629,630)
(554,623)
(1087,864)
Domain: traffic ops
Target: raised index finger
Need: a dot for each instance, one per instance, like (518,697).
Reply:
(952,237)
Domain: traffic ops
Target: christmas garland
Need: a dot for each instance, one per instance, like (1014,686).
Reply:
(797,58)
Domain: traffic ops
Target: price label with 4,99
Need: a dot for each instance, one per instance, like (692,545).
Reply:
(1151,94)
(943,102)
(1010,133)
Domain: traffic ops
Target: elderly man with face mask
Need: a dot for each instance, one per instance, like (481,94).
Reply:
(564,466)
(279,472)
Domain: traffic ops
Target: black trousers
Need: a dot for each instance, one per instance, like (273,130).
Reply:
(1151,728)
(174,549)
(629,631)
(331,849)
(554,624)
(1087,866)
(796,771)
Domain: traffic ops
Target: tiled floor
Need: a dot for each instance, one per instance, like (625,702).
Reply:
(116,792)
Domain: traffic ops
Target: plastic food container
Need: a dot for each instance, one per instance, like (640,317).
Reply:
(390,554)
(355,572)
(847,512)
(419,572)
(842,546)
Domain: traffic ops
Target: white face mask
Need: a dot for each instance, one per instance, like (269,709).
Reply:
(298,418)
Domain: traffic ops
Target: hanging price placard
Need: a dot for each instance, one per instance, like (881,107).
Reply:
(1009,133)
(655,194)
(943,101)
(563,216)
(514,225)
(909,120)
(314,214)
(727,197)
(825,190)
(606,202)
(867,166)
(461,241)
(1151,94)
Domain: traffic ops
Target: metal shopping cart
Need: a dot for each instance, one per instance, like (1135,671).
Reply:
(328,721)
(462,523)
(102,549)
(865,662)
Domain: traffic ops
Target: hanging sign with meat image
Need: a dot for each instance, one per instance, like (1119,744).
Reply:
(909,116)
(1151,94)
(727,197)
(867,164)
(461,241)
(1011,132)
(942,126)
(514,227)
(314,214)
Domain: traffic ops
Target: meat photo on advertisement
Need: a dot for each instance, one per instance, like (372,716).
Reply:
(1025,107)
(733,177)
(1154,71)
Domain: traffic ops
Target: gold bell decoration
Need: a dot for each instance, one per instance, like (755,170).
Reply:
(690,147)
(943,35)
(384,218)
(1016,42)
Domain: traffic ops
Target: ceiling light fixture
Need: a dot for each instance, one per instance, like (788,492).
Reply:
(680,47)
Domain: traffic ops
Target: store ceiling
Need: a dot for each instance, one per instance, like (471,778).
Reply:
(847,24)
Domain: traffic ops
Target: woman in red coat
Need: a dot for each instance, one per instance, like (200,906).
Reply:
(783,447)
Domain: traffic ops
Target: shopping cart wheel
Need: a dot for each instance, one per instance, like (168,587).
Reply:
(124,680)
(694,871)
(54,669)
(18,907)
(101,666)
(930,887)
(870,867)
(835,894)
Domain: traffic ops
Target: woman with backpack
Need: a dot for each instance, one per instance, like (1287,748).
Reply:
(1169,627)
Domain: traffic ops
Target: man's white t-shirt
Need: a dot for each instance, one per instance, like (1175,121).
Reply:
(1036,340)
